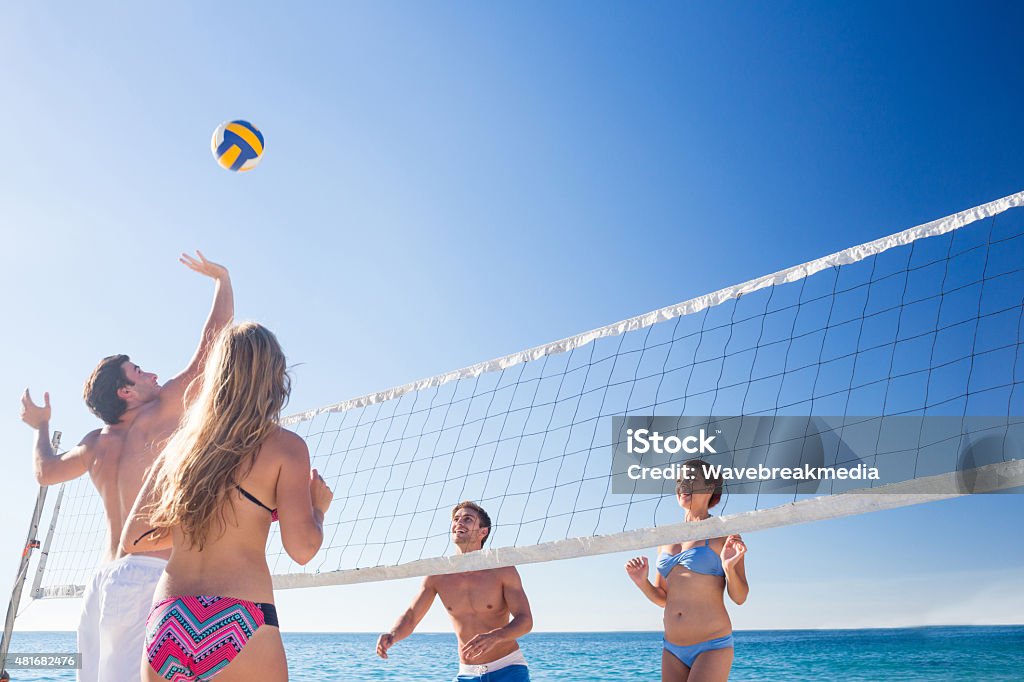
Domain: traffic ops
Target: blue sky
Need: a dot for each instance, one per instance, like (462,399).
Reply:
(448,184)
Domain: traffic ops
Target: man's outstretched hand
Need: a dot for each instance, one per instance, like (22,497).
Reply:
(199,264)
(32,414)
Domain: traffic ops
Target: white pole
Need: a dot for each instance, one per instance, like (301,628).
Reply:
(19,579)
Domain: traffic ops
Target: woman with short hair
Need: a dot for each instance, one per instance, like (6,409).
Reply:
(690,583)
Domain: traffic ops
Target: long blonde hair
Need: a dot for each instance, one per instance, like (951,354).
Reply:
(245,385)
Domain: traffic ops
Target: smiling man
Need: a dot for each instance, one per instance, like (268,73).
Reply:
(489,609)
(139,415)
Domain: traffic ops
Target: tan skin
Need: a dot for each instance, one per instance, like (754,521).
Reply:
(489,609)
(233,563)
(117,456)
(693,602)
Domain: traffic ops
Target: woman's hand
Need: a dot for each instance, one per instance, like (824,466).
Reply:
(732,552)
(198,263)
(735,574)
(636,569)
(319,493)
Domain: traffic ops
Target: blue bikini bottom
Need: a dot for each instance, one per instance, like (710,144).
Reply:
(689,653)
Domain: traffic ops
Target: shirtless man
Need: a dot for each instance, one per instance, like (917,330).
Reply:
(479,603)
(139,415)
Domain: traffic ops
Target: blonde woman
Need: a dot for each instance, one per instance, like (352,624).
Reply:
(225,475)
(689,584)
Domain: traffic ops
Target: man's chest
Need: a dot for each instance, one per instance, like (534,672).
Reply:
(476,594)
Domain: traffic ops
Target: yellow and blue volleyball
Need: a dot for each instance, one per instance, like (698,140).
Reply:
(237,145)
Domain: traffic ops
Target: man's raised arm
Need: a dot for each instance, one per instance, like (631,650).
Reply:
(220,316)
(51,468)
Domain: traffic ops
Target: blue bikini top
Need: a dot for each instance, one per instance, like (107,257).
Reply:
(699,559)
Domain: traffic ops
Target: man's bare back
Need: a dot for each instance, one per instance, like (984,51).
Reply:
(105,447)
(122,459)
(143,442)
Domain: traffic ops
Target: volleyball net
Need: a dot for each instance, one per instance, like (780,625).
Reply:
(921,329)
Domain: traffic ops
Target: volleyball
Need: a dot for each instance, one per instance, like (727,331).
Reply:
(237,145)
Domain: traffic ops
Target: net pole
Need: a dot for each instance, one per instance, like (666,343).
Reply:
(19,579)
(45,551)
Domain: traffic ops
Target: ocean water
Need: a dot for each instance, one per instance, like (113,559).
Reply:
(934,653)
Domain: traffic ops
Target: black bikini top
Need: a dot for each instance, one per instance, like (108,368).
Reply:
(252,498)
(245,493)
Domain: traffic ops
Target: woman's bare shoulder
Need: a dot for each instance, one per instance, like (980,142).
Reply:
(286,445)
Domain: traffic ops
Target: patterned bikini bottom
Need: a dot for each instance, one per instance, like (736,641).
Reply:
(193,638)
